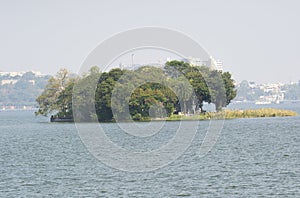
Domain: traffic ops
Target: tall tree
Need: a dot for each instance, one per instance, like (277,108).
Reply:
(83,98)
(230,87)
(49,100)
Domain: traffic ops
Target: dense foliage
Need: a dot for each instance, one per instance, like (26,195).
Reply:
(57,95)
(140,94)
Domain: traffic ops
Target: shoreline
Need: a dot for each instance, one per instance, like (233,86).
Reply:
(225,114)
(237,114)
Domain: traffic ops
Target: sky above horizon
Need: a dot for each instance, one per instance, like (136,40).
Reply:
(256,40)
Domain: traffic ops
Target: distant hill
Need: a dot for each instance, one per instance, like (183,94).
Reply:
(21,88)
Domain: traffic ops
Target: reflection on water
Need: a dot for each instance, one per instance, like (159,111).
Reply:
(253,157)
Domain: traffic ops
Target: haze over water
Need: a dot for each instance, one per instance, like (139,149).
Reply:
(252,158)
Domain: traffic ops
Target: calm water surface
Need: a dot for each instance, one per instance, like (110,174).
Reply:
(252,158)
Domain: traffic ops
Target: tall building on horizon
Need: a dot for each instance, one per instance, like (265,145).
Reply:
(211,62)
(219,65)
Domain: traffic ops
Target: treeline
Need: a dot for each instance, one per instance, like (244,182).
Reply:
(140,94)
(21,89)
(292,92)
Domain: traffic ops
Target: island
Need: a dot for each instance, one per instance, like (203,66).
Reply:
(176,91)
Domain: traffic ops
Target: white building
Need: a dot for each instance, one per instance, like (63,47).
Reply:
(219,65)
(13,74)
(196,61)
(8,82)
(211,62)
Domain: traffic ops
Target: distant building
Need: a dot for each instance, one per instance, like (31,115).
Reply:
(13,74)
(196,61)
(219,65)
(8,82)
(32,82)
(211,62)
(252,84)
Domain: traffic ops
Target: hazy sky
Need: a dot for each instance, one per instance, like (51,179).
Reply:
(256,39)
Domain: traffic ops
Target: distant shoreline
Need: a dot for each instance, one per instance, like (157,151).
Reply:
(20,109)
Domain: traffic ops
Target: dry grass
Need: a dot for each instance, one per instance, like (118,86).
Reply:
(230,114)
(255,113)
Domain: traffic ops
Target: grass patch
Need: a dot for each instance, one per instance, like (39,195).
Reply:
(256,113)
(231,114)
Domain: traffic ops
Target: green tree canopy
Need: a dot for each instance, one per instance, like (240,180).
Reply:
(120,94)
(53,97)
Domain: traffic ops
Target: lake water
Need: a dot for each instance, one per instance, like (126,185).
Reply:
(252,158)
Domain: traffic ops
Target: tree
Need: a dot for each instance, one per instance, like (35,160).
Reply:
(151,95)
(103,94)
(49,100)
(83,98)
(195,75)
(176,68)
(64,100)
(200,87)
(229,87)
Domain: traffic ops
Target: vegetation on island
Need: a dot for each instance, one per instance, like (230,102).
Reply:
(57,95)
(175,92)
(255,113)
(120,94)
(232,114)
